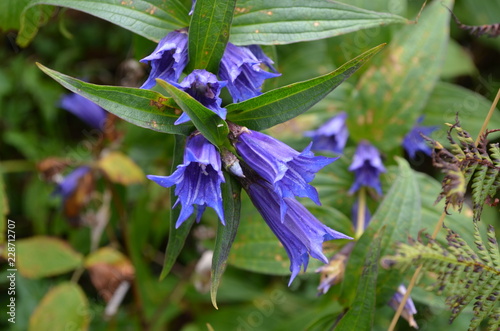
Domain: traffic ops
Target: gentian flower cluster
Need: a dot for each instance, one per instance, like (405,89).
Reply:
(275,173)
(367,167)
(331,136)
(240,66)
(413,142)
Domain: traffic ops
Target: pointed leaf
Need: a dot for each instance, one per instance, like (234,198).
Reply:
(391,95)
(144,108)
(119,168)
(288,21)
(64,307)
(176,237)
(285,103)
(400,213)
(208,33)
(41,256)
(231,196)
(206,121)
(151,19)
(362,311)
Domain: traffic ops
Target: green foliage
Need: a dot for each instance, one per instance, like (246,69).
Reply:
(391,94)
(464,274)
(285,103)
(289,21)
(145,108)
(44,256)
(362,312)
(207,42)
(399,214)
(151,19)
(231,193)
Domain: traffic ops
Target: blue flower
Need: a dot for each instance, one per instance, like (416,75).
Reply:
(409,309)
(240,67)
(86,110)
(70,183)
(169,58)
(301,233)
(286,169)
(204,87)
(413,141)
(367,166)
(197,180)
(331,136)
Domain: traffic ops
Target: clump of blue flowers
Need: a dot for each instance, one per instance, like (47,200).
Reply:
(272,173)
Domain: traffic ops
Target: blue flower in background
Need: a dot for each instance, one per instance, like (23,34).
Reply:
(197,179)
(168,60)
(409,309)
(204,87)
(69,183)
(286,169)
(86,110)
(331,136)
(413,141)
(367,167)
(240,67)
(301,233)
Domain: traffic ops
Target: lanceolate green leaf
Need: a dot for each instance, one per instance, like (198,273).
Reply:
(361,313)
(288,21)
(231,196)
(206,121)
(391,95)
(176,237)
(141,107)
(209,32)
(152,19)
(400,213)
(285,103)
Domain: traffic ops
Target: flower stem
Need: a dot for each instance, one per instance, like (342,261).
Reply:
(439,225)
(360,219)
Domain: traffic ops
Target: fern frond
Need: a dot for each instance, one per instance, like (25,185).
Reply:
(463,274)
(466,162)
